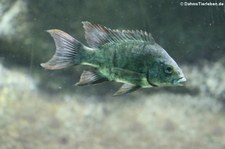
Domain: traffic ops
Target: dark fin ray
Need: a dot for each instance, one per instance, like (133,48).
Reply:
(88,77)
(67,51)
(125,89)
(97,35)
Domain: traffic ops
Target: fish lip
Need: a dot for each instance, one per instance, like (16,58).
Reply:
(181,81)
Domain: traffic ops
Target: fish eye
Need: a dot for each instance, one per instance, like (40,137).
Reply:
(168,69)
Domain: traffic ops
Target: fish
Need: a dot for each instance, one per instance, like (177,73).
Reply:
(131,57)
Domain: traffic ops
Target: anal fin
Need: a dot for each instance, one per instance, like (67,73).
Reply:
(125,89)
(88,77)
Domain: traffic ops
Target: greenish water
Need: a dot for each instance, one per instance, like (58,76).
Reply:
(43,109)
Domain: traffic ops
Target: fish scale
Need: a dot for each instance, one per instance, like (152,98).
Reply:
(117,56)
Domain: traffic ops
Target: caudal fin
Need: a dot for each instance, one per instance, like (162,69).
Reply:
(68,51)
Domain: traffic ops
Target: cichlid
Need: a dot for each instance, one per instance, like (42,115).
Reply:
(127,56)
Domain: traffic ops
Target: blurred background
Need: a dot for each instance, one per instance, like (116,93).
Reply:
(43,109)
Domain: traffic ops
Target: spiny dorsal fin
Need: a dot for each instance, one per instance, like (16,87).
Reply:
(88,77)
(97,35)
(126,88)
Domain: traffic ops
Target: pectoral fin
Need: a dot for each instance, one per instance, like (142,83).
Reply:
(88,77)
(126,88)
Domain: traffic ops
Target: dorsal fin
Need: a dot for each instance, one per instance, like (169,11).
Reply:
(97,35)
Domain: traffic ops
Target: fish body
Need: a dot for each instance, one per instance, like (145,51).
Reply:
(129,57)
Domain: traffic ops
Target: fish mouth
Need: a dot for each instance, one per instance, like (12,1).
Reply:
(181,81)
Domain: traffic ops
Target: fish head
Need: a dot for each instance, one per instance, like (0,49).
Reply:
(163,70)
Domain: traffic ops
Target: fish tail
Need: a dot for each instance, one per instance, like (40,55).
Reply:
(68,51)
